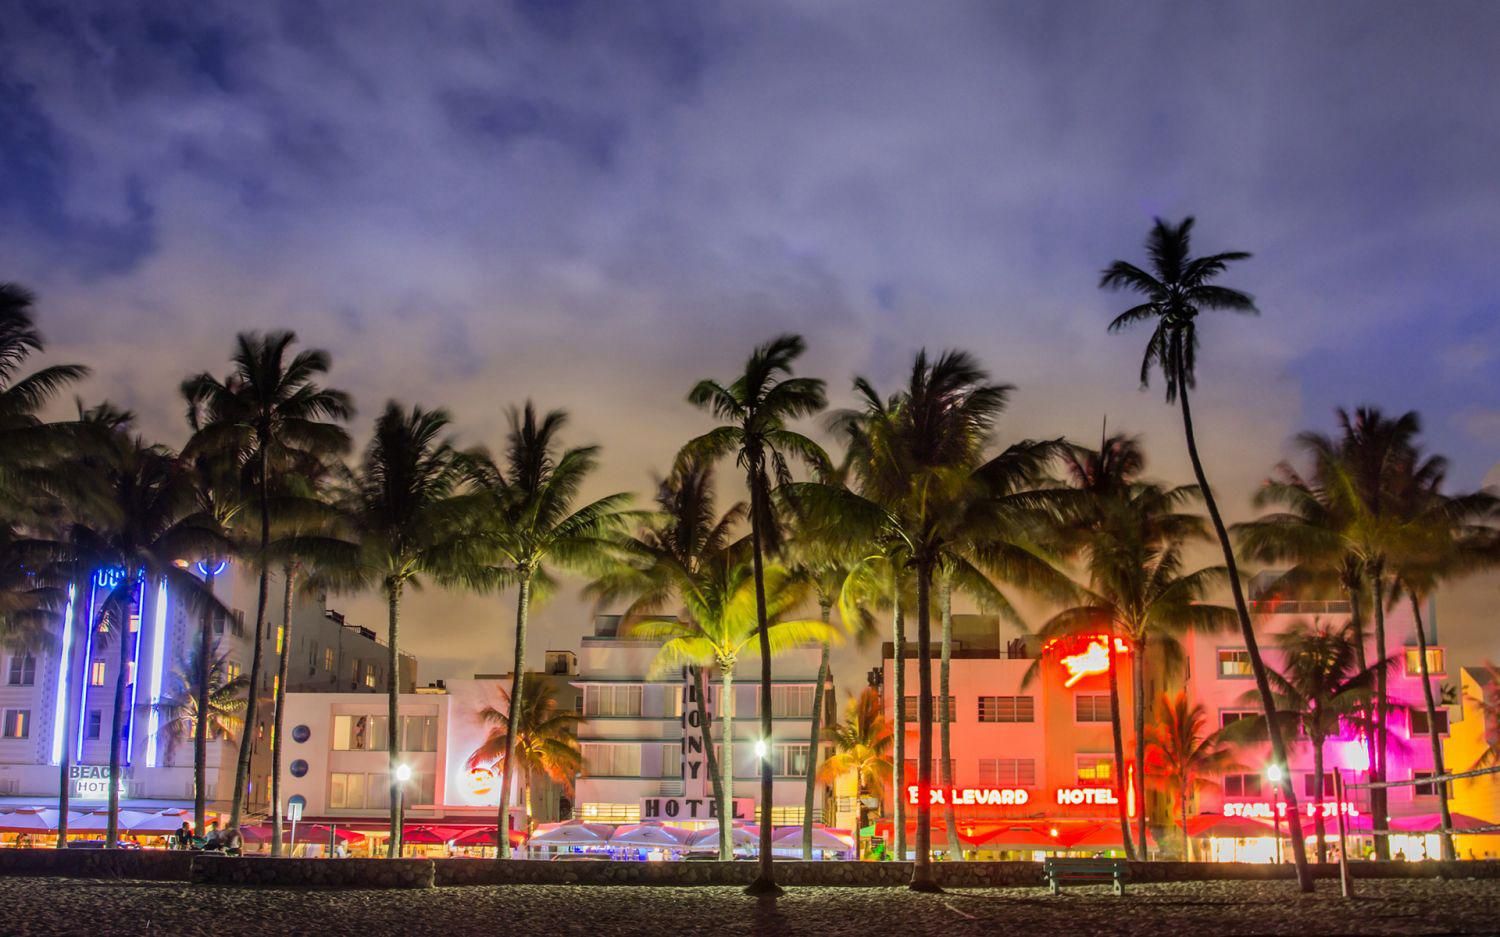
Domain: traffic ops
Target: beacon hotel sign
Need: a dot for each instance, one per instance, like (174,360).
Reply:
(697,800)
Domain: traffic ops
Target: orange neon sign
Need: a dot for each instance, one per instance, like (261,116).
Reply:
(1093,659)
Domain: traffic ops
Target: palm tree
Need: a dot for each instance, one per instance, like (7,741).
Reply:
(862,747)
(1175,290)
(266,411)
(25,440)
(533,522)
(403,511)
(665,562)
(133,510)
(1321,687)
(180,708)
(723,609)
(546,740)
(1186,758)
(1139,592)
(754,412)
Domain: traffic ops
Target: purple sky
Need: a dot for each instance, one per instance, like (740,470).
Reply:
(595,203)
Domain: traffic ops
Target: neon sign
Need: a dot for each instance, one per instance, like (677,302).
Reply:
(206,571)
(969,796)
(1260,810)
(1091,660)
(1074,796)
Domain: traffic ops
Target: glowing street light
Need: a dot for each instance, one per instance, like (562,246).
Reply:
(403,773)
(761,750)
(1274,775)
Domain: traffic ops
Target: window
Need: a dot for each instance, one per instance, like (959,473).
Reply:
(96,673)
(346,790)
(22,670)
(671,761)
(93,725)
(17,723)
(624,700)
(1414,662)
(419,734)
(1007,772)
(328,659)
(611,813)
(1423,790)
(218,621)
(1228,716)
(1310,785)
(370,676)
(787,816)
(790,760)
(938,709)
(1096,770)
(937,770)
(1234,663)
(1244,785)
(791,702)
(312,657)
(280,637)
(1007,709)
(238,625)
(231,671)
(359,733)
(1091,707)
(612,761)
(1419,721)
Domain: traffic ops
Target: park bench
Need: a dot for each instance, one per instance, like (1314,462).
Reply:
(1058,871)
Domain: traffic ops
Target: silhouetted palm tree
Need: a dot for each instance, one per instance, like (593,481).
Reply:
(546,740)
(532,522)
(268,410)
(754,411)
(1176,289)
(1184,756)
(179,709)
(25,440)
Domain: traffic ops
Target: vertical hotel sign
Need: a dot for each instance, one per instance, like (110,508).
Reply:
(697,800)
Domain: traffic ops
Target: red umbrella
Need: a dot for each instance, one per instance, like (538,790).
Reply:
(1012,836)
(306,833)
(486,836)
(1228,827)
(423,835)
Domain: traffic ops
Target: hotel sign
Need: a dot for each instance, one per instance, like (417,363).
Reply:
(91,782)
(970,796)
(1260,810)
(697,800)
(1074,796)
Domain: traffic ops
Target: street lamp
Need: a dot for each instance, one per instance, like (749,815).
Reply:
(761,749)
(1273,774)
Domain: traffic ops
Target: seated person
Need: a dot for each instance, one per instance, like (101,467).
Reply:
(230,841)
(211,841)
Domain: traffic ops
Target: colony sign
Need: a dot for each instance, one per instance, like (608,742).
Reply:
(91,782)
(697,800)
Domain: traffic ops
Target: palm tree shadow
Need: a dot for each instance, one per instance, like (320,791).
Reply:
(768,919)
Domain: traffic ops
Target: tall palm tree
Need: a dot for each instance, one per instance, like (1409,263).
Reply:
(754,412)
(25,440)
(862,747)
(1140,593)
(661,565)
(546,740)
(403,511)
(267,410)
(1344,522)
(1184,756)
(533,522)
(1320,688)
(133,510)
(1175,290)
(179,709)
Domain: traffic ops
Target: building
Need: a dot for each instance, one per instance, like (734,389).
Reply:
(547,800)
(1474,743)
(641,743)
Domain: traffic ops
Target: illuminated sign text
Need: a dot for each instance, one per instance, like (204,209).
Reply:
(970,796)
(1261,810)
(1073,796)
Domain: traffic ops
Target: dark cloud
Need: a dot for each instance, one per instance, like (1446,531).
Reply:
(595,203)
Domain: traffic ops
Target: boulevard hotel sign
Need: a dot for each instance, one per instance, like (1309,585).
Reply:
(1009,796)
(697,800)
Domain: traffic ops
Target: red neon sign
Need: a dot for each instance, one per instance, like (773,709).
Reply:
(1260,810)
(969,796)
(1092,659)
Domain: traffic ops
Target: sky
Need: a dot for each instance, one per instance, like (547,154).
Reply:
(594,204)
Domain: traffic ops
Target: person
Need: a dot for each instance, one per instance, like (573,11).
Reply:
(230,841)
(23,841)
(183,838)
(211,838)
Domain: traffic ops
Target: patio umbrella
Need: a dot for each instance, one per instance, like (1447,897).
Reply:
(1432,823)
(572,833)
(1228,827)
(1012,836)
(306,833)
(1092,836)
(823,839)
(154,821)
(423,835)
(88,822)
(740,835)
(28,820)
(886,829)
(485,836)
(651,836)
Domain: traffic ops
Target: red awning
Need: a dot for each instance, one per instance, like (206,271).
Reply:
(487,836)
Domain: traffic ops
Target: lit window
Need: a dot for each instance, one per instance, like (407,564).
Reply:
(231,671)
(1091,707)
(1414,662)
(17,723)
(611,813)
(370,675)
(96,673)
(624,700)
(328,658)
(1095,770)
(1235,663)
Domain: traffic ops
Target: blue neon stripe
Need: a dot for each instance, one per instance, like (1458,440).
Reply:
(60,714)
(158,650)
(135,667)
(88,664)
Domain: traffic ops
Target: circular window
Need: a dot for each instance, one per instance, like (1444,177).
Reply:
(301,734)
(298,768)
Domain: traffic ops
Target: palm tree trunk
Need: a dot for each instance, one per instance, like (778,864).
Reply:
(257,653)
(1319,824)
(705,726)
(122,630)
(277,716)
(1356,593)
(393,722)
(1187,843)
(726,706)
(945,597)
(513,712)
(1138,685)
(1379,796)
(1118,732)
(1446,815)
(921,873)
(1247,631)
(825,610)
(765,881)
(200,730)
(898,804)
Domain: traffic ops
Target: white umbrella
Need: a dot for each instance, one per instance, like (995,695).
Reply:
(650,836)
(572,833)
(823,839)
(88,822)
(28,820)
(707,840)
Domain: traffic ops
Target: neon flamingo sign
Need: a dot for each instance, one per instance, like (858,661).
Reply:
(1092,660)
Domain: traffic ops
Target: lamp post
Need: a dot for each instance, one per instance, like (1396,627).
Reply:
(1273,774)
(403,774)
